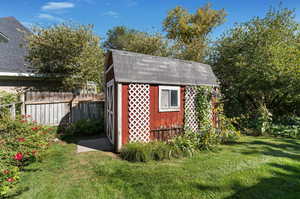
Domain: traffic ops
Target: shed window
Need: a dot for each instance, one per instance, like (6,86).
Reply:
(169,98)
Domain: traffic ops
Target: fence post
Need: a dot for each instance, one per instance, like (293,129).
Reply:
(23,106)
(13,111)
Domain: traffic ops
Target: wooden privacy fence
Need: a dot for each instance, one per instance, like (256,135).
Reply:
(62,108)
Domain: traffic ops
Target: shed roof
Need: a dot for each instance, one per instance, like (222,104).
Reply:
(11,53)
(132,67)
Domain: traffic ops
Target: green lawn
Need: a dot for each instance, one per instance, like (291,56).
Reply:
(253,168)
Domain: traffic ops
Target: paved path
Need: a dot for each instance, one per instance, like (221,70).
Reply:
(98,144)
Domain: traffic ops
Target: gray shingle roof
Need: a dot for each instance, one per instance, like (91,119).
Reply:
(132,67)
(11,52)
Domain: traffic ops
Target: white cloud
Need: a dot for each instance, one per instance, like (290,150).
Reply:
(57,5)
(50,17)
(111,14)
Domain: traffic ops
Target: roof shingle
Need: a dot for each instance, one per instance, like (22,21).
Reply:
(11,52)
(132,67)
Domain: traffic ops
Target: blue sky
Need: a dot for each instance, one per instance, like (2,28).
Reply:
(145,15)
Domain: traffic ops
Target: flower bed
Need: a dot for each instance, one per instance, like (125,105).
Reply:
(21,143)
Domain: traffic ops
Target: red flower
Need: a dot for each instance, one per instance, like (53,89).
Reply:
(35,128)
(19,156)
(5,172)
(10,180)
(21,139)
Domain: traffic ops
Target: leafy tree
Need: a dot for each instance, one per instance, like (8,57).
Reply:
(190,31)
(123,38)
(72,52)
(257,63)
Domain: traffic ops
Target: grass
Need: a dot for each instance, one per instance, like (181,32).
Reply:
(255,167)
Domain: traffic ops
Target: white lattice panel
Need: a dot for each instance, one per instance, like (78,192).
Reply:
(139,112)
(191,119)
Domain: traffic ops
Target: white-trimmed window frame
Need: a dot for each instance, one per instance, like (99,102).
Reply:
(170,109)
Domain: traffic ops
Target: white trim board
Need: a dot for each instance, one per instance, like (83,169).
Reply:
(119,123)
(171,109)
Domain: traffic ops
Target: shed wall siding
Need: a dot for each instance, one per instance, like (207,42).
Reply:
(159,121)
(165,120)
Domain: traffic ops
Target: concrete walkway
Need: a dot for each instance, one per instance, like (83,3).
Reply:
(97,144)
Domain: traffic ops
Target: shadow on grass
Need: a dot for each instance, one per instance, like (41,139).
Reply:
(284,184)
(287,148)
(285,178)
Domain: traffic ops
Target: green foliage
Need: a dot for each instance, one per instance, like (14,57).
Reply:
(183,145)
(21,143)
(123,38)
(186,144)
(264,120)
(190,31)
(257,63)
(9,176)
(203,107)
(160,151)
(227,131)
(211,136)
(8,98)
(135,152)
(68,52)
(85,127)
(144,152)
(186,38)
(288,126)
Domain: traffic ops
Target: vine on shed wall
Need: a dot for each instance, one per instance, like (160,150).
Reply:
(204,107)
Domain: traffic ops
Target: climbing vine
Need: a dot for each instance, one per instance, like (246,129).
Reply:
(203,107)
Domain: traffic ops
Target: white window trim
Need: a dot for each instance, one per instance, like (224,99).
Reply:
(177,88)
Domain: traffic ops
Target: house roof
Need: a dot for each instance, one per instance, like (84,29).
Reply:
(132,67)
(11,52)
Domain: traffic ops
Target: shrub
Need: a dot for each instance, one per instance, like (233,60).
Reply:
(85,127)
(21,143)
(209,139)
(185,144)
(159,150)
(284,126)
(9,177)
(144,152)
(7,98)
(136,152)
(287,126)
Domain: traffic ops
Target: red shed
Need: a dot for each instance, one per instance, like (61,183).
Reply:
(150,97)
